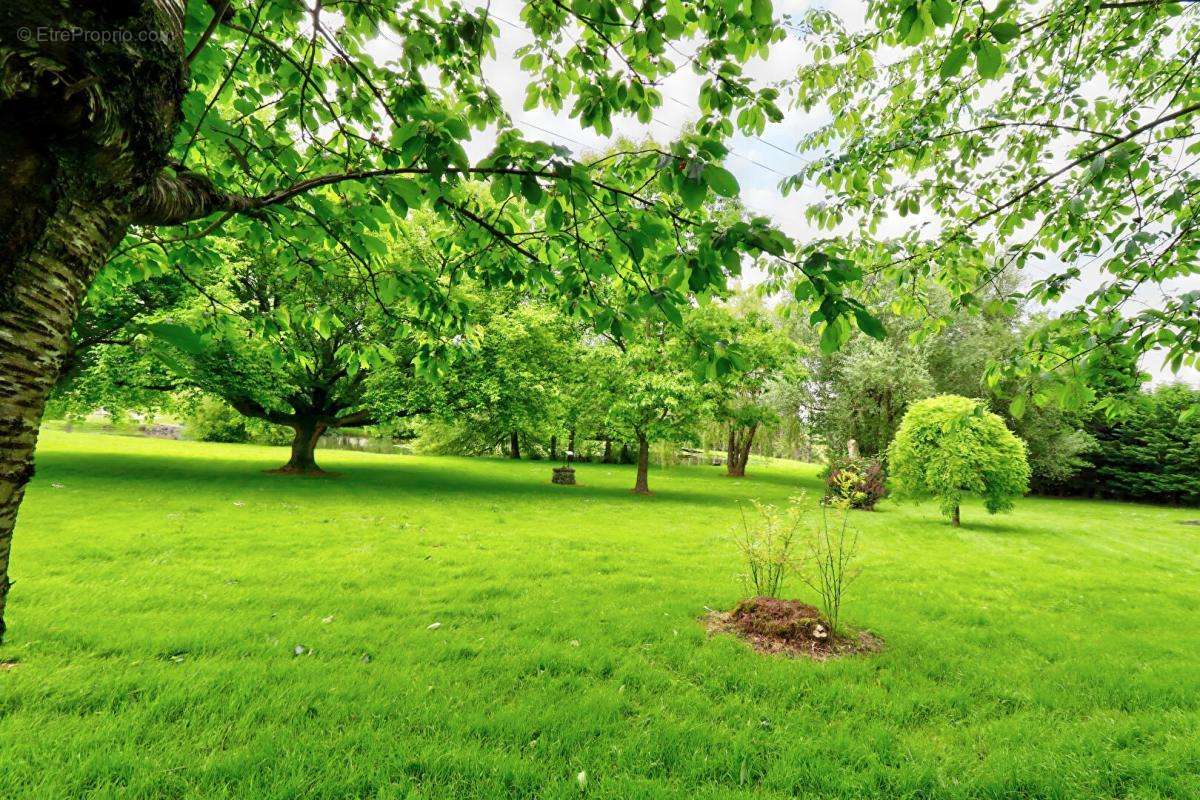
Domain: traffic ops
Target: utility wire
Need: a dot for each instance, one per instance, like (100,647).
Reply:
(677,102)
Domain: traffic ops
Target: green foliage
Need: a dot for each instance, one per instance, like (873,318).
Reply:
(212,420)
(759,355)
(1057,451)
(861,482)
(1058,141)
(873,384)
(768,540)
(380,101)
(652,391)
(516,371)
(209,419)
(951,447)
(1152,453)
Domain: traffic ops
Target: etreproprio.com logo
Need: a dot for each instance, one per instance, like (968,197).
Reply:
(89,35)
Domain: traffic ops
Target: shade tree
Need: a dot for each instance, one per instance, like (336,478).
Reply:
(295,345)
(652,395)
(753,353)
(507,381)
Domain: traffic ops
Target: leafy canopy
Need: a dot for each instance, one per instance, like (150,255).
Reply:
(318,128)
(1057,138)
(951,447)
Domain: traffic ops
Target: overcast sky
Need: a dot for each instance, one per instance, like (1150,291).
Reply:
(758,162)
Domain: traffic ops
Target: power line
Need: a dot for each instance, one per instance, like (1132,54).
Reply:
(674,100)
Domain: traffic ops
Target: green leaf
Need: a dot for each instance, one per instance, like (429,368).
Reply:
(954,61)
(693,193)
(1004,32)
(178,336)
(832,337)
(908,18)
(869,325)
(942,11)
(987,60)
(762,12)
(531,189)
(1017,406)
(720,180)
(671,312)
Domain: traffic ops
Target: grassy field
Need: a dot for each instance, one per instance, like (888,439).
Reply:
(164,587)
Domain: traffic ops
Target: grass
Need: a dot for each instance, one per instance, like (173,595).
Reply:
(162,588)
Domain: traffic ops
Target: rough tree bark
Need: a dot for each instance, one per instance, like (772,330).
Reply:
(85,127)
(956,519)
(738,451)
(642,485)
(43,295)
(514,445)
(303,460)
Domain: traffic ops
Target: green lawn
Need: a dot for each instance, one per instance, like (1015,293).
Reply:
(162,588)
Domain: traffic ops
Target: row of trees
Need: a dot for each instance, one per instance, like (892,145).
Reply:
(278,346)
(286,346)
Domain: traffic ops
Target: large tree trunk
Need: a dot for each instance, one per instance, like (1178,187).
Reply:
(303,460)
(85,126)
(514,445)
(956,519)
(608,456)
(642,485)
(37,308)
(739,451)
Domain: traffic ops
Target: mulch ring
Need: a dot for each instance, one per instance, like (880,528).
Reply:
(772,625)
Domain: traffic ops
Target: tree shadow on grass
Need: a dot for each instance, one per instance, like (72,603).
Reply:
(385,479)
(993,525)
(795,480)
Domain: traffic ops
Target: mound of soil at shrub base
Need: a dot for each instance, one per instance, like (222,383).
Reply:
(773,625)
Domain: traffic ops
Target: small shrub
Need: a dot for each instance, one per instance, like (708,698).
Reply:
(860,480)
(211,420)
(767,541)
(832,551)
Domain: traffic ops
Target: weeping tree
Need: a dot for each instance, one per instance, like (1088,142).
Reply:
(949,448)
(128,151)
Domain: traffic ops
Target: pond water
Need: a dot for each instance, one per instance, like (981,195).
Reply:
(363,444)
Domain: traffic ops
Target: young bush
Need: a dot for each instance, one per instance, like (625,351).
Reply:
(951,447)
(767,542)
(860,481)
(211,420)
(833,549)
